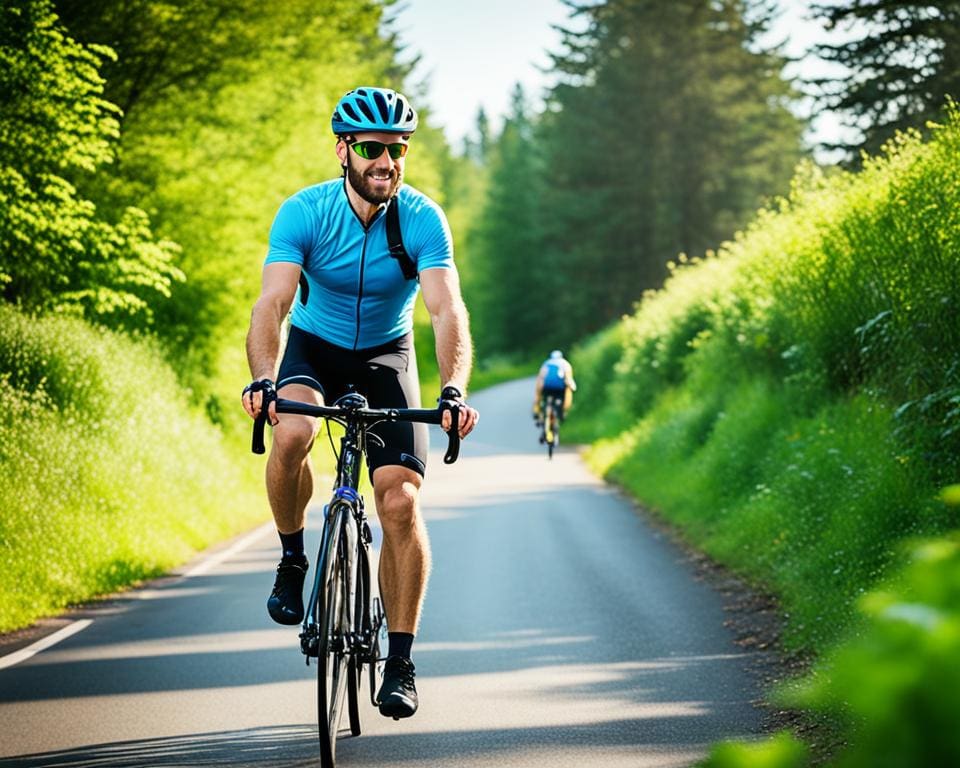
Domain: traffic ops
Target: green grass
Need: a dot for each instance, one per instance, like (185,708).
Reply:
(112,476)
(811,505)
(792,405)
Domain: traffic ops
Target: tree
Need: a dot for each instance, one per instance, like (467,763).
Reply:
(508,290)
(56,249)
(904,60)
(667,129)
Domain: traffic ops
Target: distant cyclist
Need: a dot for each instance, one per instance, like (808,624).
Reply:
(352,327)
(555,379)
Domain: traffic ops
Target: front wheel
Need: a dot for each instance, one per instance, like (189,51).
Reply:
(333,666)
(550,428)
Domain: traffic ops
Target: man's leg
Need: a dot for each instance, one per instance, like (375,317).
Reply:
(404,569)
(289,490)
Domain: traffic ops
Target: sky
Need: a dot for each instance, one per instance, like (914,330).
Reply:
(473,52)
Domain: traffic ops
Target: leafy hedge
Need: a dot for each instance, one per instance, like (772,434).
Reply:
(110,475)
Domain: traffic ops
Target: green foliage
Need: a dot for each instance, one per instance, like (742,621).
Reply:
(848,284)
(596,360)
(508,287)
(116,477)
(900,65)
(894,686)
(56,250)
(780,751)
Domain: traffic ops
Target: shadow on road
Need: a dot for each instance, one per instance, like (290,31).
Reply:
(295,746)
(279,746)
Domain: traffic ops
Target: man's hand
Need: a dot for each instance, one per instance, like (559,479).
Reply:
(256,394)
(469,417)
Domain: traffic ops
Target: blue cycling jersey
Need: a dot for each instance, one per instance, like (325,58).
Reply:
(554,376)
(358,297)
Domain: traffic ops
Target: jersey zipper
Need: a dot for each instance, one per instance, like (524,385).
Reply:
(363,261)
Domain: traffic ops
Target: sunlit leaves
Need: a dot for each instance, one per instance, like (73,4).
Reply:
(56,249)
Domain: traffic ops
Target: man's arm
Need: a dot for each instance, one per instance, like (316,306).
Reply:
(263,339)
(451,326)
(451,329)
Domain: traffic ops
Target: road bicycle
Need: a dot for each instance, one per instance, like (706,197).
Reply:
(550,407)
(344,623)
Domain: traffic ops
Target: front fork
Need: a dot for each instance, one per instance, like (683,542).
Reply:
(355,534)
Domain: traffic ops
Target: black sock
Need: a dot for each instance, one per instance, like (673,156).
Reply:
(292,544)
(400,644)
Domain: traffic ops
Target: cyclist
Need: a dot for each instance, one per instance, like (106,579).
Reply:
(555,379)
(351,328)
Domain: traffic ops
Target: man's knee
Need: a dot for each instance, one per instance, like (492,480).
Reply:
(397,503)
(293,437)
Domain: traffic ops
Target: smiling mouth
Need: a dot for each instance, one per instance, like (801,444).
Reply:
(381,176)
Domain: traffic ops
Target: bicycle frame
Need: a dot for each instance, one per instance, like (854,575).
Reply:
(550,430)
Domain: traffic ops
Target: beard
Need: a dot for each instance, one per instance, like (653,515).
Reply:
(363,185)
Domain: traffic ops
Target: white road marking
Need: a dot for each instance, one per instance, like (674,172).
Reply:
(31,650)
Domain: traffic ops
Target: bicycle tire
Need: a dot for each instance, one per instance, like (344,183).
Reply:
(549,427)
(353,695)
(333,660)
(361,629)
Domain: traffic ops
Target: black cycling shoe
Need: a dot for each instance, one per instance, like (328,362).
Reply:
(285,604)
(398,694)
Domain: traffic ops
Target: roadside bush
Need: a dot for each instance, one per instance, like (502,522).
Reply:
(894,686)
(111,476)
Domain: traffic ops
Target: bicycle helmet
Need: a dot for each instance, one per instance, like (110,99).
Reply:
(373,109)
(556,354)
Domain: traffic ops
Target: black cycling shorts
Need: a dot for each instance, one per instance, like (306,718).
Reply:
(385,375)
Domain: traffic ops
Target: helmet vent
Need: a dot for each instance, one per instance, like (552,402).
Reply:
(367,112)
(398,111)
(351,112)
(382,107)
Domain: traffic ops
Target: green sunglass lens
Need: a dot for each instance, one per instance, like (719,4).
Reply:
(371,150)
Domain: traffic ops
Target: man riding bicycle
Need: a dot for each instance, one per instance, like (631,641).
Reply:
(555,379)
(351,328)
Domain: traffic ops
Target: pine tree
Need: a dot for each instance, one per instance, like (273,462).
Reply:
(509,286)
(666,131)
(904,61)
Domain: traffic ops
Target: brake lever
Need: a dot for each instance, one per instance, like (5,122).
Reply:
(453,434)
(259,424)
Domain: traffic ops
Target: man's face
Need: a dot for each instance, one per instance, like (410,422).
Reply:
(375,179)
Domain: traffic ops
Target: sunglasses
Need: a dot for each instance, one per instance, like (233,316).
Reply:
(371,150)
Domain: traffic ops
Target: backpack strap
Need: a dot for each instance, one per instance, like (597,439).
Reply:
(304,288)
(395,242)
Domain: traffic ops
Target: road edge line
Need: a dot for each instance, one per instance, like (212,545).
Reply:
(41,645)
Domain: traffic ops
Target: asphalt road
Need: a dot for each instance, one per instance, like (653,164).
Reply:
(559,630)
